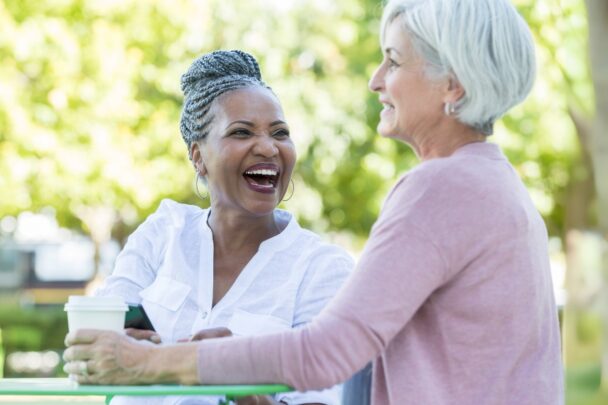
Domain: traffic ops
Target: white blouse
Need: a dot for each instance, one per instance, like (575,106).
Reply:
(167,265)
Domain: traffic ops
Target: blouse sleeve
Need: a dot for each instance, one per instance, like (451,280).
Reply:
(326,270)
(137,263)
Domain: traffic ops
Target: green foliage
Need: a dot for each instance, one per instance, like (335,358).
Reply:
(589,327)
(540,138)
(90,104)
(583,384)
(1,356)
(32,329)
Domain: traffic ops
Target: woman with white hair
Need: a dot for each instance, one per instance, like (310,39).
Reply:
(452,297)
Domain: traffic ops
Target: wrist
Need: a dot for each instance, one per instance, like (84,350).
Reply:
(172,364)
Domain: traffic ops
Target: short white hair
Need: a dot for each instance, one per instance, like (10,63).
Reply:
(484,44)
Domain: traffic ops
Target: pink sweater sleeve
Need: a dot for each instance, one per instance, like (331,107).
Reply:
(377,301)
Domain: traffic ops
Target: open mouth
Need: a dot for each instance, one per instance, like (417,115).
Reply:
(262,177)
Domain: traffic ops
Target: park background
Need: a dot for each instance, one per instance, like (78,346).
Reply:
(90,144)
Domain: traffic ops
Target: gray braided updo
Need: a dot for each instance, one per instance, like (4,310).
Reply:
(210,76)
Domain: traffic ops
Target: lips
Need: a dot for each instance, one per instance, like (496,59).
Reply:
(262,177)
(386,104)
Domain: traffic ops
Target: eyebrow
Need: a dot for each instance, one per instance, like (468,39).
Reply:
(251,124)
(248,123)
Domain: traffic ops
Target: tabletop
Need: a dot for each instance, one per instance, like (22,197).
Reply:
(65,386)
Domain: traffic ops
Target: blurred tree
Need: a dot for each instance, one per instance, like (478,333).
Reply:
(87,125)
(90,105)
(597,13)
(579,82)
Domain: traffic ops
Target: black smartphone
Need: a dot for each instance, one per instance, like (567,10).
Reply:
(137,318)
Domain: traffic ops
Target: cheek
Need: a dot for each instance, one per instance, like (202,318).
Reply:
(289,156)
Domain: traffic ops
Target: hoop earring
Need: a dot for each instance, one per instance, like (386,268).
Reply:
(293,188)
(449,109)
(196,188)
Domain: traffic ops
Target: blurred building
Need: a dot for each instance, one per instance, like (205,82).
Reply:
(43,263)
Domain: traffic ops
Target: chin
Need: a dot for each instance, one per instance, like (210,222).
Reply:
(383,130)
(387,131)
(261,208)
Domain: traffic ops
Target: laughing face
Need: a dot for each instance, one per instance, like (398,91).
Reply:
(248,156)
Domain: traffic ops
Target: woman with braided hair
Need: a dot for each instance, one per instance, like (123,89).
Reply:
(241,267)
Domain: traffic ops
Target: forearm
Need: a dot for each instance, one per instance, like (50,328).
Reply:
(310,358)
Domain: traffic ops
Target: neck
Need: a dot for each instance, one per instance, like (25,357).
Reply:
(445,141)
(238,232)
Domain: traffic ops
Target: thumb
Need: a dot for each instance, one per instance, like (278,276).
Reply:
(211,333)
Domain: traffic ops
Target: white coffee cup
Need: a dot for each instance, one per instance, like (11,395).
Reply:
(106,313)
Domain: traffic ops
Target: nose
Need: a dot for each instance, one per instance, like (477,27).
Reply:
(377,80)
(265,146)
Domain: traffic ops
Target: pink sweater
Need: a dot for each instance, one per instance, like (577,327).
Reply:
(452,297)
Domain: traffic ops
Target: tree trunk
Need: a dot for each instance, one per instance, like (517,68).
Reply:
(99,221)
(597,14)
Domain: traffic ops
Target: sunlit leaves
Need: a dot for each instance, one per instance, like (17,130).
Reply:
(90,103)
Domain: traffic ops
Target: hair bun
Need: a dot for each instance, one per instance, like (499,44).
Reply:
(220,64)
(210,76)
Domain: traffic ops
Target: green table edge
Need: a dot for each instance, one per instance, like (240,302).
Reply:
(18,386)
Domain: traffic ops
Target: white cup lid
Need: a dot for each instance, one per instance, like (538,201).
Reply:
(102,303)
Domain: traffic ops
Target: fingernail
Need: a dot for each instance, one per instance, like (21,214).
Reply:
(155,338)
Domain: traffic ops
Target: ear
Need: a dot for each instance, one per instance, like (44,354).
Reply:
(197,159)
(453,91)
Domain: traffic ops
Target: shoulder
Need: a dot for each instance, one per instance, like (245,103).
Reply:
(475,189)
(477,174)
(173,213)
(312,248)
(316,244)
(169,218)
(322,251)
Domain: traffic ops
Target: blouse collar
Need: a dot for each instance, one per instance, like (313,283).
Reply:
(277,242)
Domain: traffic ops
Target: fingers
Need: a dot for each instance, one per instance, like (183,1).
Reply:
(141,334)
(77,352)
(76,367)
(109,358)
(84,336)
(80,371)
(82,379)
(82,343)
(73,338)
(211,333)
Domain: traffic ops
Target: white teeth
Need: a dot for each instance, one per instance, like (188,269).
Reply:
(262,172)
(387,106)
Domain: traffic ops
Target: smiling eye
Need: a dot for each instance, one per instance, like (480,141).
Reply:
(240,133)
(281,133)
